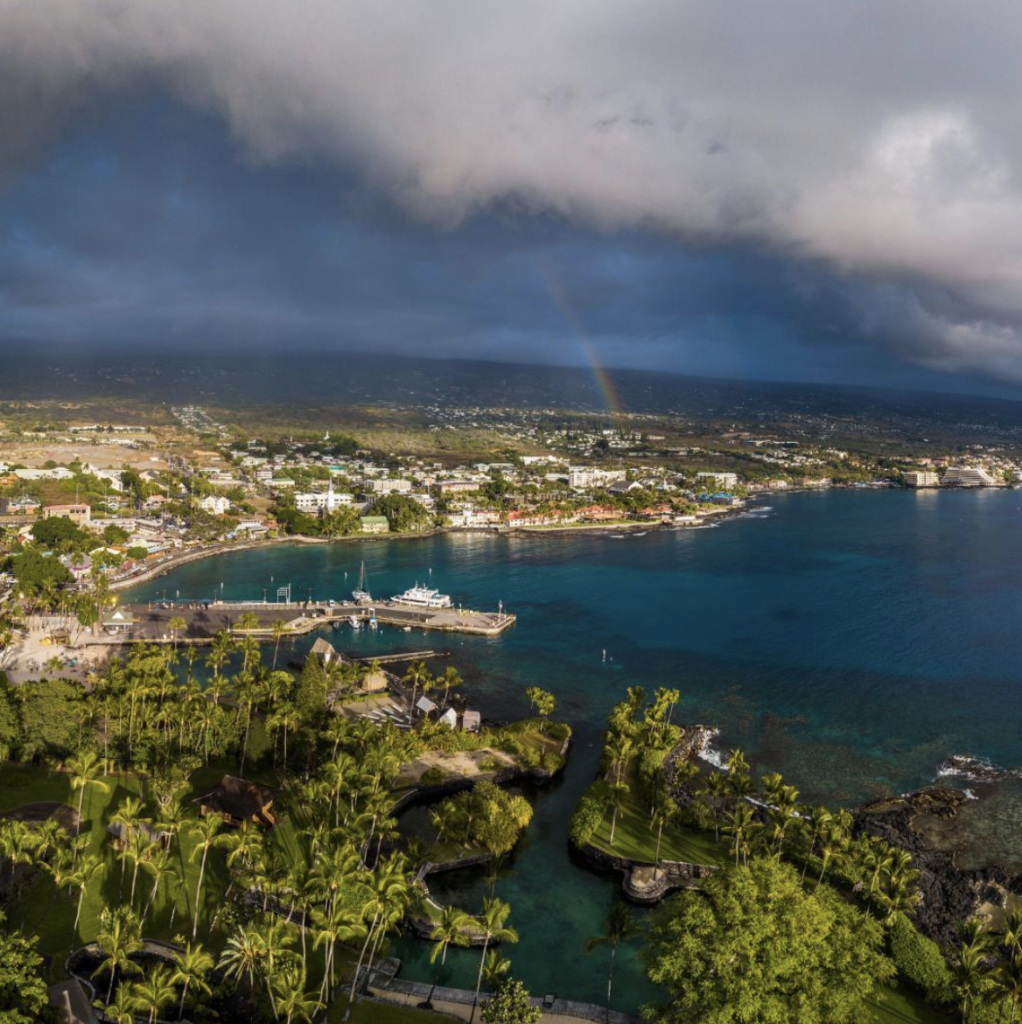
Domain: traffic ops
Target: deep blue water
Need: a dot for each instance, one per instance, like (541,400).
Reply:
(850,640)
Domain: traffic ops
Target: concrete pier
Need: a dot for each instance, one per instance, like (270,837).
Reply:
(151,622)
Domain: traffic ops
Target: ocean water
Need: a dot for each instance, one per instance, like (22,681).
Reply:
(850,640)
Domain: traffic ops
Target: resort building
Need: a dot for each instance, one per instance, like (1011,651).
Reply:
(967,476)
(375,524)
(922,479)
(238,800)
(322,502)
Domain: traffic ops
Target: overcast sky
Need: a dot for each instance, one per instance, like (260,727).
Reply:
(788,190)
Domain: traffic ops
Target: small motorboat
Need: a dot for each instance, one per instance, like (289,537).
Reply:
(356,622)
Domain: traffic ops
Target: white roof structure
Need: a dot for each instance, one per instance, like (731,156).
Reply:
(450,718)
(425,705)
(471,720)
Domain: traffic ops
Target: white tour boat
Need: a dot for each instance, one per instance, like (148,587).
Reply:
(422,597)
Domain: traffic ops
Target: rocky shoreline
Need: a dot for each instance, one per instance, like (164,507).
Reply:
(950,894)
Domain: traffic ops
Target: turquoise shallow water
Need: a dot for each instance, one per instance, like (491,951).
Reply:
(850,640)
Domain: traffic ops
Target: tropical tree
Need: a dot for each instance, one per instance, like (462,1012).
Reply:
(291,999)
(619,926)
(617,801)
(386,895)
(738,825)
(449,930)
(119,937)
(176,625)
(85,770)
(83,873)
(193,964)
(205,834)
(494,927)
(543,701)
(495,967)
(155,991)
(509,1004)
(720,956)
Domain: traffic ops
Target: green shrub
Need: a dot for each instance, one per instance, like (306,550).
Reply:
(510,746)
(559,731)
(551,761)
(589,813)
(489,764)
(432,776)
(919,960)
(529,758)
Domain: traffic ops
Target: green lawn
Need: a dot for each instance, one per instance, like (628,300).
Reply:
(366,1012)
(50,914)
(900,1005)
(635,840)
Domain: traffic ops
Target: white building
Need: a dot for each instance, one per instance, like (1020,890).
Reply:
(215,504)
(967,476)
(582,477)
(322,501)
(725,480)
(387,486)
(922,479)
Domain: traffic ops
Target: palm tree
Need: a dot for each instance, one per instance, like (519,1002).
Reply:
(1008,978)
(193,964)
(739,823)
(206,833)
(122,1009)
(492,924)
(618,927)
(495,967)
(291,997)
(618,752)
(155,991)
(386,897)
(119,937)
(716,789)
(138,847)
(85,770)
(1013,931)
(159,866)
(969,975)
(665,810)
(450,930)
(417,675)
(176,625)
(450,679)
(337,923)
(277,630)
(617,800)
(819,820)
(833,843)
(80,877)
(242,956)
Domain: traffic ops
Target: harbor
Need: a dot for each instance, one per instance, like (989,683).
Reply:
(151,623)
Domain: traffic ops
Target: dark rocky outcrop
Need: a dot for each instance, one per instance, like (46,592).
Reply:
(950,895)
(975,769)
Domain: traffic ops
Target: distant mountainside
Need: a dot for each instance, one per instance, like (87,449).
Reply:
(323,378)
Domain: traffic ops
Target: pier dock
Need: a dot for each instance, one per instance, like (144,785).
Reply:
(150,623)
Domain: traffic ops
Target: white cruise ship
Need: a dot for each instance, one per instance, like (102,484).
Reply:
(422,597)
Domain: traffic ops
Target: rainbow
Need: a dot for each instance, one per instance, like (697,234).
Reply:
(602,379)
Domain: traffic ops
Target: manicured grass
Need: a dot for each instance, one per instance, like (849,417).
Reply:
(634,839)
(50,914)
(899,1005)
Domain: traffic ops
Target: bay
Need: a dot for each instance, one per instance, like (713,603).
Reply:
(849,639)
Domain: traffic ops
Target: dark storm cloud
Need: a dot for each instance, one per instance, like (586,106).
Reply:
(869,152)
